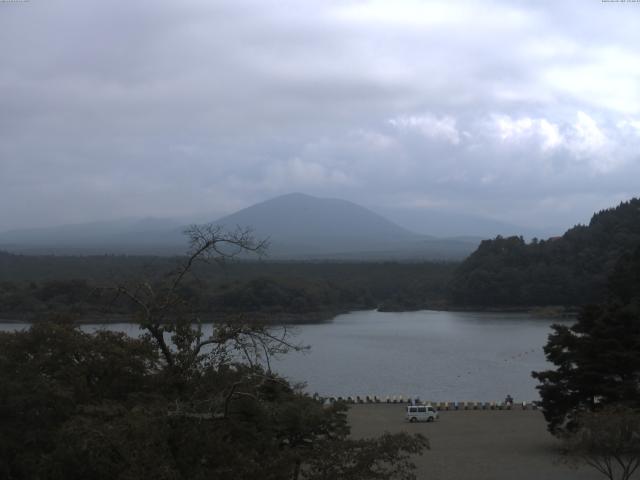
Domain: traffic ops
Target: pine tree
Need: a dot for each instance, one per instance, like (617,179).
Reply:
(598,358)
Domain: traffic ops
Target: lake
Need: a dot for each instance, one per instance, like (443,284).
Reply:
(439,356)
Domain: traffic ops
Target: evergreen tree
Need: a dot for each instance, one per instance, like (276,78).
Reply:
(598,358)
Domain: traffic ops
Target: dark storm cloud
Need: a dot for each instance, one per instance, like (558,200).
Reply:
(528,112)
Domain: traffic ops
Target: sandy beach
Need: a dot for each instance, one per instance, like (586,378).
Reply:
(476,445)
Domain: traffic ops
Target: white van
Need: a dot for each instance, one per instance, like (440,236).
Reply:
(421,413)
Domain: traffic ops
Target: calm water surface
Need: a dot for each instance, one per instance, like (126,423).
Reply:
(441,356)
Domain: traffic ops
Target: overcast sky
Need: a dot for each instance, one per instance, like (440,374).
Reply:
(527,112)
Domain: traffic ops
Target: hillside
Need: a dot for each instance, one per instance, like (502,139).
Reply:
(302,217)
(304,227)
(567,270)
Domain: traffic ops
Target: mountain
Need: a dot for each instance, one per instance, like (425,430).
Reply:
(297,226)
(321,224)
(302,226)
(567,270)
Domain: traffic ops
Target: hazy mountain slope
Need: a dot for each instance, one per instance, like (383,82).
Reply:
(454,224)
(302,226)
(298,226)
(124,235)
(302,217)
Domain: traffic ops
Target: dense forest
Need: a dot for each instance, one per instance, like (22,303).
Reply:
(37,287)
(568,270)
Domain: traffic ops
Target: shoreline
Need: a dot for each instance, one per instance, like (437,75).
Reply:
(546,311)
(289,318)
(253,317)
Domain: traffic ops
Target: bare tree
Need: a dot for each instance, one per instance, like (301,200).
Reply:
(607,440)
(195,405)
(164,313)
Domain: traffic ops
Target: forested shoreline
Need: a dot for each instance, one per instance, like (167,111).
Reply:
(570,270)
(554,277)
(32,288)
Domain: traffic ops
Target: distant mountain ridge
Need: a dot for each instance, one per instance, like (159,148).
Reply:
(91,230)
(129,235)
(455,224)
(298,226)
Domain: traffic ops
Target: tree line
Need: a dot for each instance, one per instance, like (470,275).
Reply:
(71,285)
(567,270)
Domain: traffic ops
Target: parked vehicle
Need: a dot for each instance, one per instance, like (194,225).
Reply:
(421,413)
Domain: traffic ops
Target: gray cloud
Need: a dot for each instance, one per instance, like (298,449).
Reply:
(527,112)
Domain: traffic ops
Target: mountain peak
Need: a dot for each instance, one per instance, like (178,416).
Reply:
(294,196)
(306,199)
(297,215)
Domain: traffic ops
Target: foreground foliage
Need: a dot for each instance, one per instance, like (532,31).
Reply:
(174,404)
